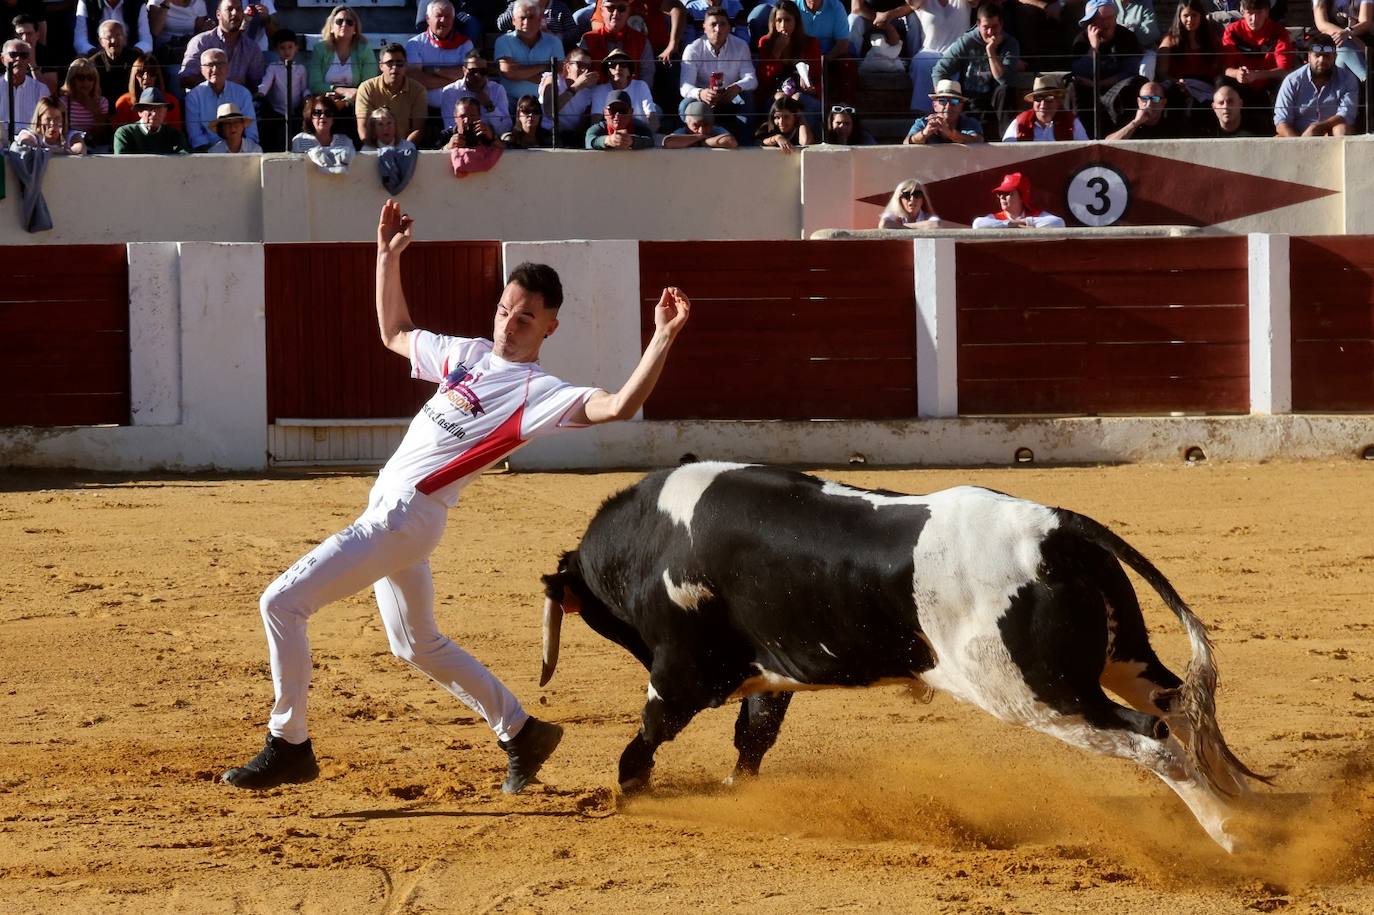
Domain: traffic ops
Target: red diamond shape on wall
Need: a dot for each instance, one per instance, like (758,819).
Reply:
(1163,191)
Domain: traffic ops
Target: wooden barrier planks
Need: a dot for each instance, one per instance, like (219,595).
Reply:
(786,329)
(324,357)
(1331,289)
(1103,326)
(64,355)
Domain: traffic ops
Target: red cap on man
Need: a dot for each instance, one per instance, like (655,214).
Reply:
(1014,181)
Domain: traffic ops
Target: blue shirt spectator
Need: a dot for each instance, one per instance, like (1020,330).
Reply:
(201,104)
(1319,99)
(826,21)
(524,53)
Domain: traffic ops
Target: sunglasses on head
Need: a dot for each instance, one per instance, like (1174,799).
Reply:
(843,109)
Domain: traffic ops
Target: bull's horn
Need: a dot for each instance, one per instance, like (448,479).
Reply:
(553,630)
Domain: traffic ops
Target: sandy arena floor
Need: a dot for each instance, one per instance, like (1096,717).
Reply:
(133,670)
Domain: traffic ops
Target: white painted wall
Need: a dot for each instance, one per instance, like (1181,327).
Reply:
(1271,333)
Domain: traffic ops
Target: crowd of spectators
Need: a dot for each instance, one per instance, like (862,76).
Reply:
(132,75)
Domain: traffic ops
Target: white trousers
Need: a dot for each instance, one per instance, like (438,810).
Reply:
(388,547)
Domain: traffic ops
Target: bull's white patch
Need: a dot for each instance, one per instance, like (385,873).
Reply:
(683,487)
(687,595)
(827,650)
(769,681)
(876,499)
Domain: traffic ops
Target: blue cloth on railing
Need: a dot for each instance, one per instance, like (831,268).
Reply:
(29,163)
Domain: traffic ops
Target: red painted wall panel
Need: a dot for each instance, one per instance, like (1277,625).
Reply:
(1103,326)
(64,353)
(324,357)
(1331,288)
(786,329)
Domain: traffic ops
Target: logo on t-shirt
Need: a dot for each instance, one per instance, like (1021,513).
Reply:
(455,389)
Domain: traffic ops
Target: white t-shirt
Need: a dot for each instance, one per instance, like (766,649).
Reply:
(942,25)
(485,408)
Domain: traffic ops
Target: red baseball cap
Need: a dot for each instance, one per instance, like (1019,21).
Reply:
(1015,181)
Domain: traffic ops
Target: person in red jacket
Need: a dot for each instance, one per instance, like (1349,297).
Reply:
(1259,53)
(1046,118)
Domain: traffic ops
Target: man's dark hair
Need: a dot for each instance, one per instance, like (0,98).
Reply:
(715,11)
(24,19)
(281,35)
(540,278)
(1226,82)
(988,10)
(394,48)
(1254,4)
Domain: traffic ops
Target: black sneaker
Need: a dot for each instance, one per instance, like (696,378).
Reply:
(279,763)
(527,751)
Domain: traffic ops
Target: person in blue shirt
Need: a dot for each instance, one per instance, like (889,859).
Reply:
(947,123)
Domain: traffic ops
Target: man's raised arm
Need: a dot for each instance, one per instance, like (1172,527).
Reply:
(393,316)
(669,316)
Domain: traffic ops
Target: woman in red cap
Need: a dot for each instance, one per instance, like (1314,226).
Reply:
(1014,194)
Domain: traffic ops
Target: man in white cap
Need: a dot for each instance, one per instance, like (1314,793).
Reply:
(1116,53)
(1045,120)
(947,122)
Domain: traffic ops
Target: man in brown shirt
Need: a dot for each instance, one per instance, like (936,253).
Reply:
(396,91)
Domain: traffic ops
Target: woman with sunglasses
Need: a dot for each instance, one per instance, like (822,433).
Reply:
(87,110)
(908,208)
(1014,196)
(145,73)
(845,128)
(317,127)
(341,61)
(528,132)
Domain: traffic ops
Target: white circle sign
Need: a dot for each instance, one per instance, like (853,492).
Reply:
(1098,195)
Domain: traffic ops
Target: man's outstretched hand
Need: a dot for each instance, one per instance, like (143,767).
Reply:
(671,312)
(394,229)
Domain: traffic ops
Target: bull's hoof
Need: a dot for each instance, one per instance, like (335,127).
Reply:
(635,784)
(741,775)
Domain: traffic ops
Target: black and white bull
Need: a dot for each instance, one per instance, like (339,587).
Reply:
(737,581)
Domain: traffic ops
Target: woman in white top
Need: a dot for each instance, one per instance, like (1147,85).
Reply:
(909,208)
(49,131)
(942,22)
(317,128)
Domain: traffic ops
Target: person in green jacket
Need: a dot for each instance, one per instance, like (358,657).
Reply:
(150,136)
(341,61)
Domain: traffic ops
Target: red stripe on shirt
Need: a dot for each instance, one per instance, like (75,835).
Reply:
(504,439)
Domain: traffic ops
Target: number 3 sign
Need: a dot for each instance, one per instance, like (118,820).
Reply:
(1098,195)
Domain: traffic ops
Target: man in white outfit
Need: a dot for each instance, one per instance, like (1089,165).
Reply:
(492,398)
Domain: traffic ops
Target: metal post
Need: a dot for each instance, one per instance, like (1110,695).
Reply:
(286,127)
(1097,101)
(9,112)
(553,96)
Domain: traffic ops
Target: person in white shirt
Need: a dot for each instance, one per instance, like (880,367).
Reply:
(476,84)
(18,56)
(642,105)
(574,100)
(1014,194)
(132,14)
(492,397)
(943,22)
(719,70)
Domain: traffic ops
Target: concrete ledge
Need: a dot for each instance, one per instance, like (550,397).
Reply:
(962,441)
(963,233)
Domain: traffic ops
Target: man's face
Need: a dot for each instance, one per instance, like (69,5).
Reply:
(152,116)
(27,34)
(1226,104)
(989,28)
(717,30)
(621,72)
(111,40)
(1322,61)
(527,22)
(1045,107)
(1105,20)
(465,115)
(696,125)
(1150,100)
(1255,18)
(814,5)
(475,71)
(522,323)
(440,20)
(1010,202)
(618,116)
(393,68)
(576,65)
(617,15)
(214,66)
(230,16)
(951,108)
(20,55)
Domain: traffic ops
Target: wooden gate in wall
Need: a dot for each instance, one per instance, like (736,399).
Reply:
(64,352)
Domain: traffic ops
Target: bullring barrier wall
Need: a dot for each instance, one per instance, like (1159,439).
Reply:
(1280,186)
(819,328)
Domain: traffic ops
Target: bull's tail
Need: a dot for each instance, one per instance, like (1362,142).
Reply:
(557,591)
(1195,700)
